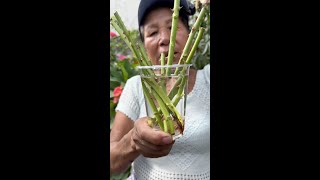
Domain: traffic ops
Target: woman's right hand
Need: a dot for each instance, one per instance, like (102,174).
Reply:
(149,142)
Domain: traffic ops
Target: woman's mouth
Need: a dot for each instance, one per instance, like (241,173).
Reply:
(176,57)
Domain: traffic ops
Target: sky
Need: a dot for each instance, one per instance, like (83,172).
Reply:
(128,11)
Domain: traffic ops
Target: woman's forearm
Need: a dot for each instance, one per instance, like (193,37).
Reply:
(122,154)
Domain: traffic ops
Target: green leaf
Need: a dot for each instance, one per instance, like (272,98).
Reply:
(114,82)
(114,85)
(115,79)
(206,48)
(111,94)
(124,73)
(116,74)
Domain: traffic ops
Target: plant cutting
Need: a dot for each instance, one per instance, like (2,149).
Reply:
(165,86)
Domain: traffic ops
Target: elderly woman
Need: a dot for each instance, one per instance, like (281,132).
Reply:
(154,154)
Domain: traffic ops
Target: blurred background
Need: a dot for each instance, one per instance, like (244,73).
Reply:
(128,10)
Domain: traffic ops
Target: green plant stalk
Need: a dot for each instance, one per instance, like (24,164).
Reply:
(194,29)
(152,105)
(174,89)
(165,126)
(144,54)
(185,52)
(165,99)
(168,126)
(188,61)
(162,72)
(174,27)
(121,33)
(117,23)
(122,26)
(167,122)
(171,126)
(124,35)
(150,83)
(162,105)
(166,114)
(139,53)
(162,62)
(143,60)
(180,92)
(129,44)
(195,46)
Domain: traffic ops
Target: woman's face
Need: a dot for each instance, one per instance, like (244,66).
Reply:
(157,30)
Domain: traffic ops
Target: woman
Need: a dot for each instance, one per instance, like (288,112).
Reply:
(154,153)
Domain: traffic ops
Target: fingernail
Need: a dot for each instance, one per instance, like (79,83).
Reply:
(167,139)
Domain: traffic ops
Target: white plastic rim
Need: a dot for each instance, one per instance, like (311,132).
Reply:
(164,66)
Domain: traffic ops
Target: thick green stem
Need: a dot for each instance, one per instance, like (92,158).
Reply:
(167,123)
(137,50)
(180,92)
(165,126)
(161,104)
(183,71)
(162,62)
(170,126)
(195,45)
(194,29)
(165,99)
(144,54)
(174,27)
(122,26)
(162,72)
(121,33)
(152,105)
(175,87)
(125,36)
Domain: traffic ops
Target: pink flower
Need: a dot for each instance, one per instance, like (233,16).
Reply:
(112,34)
(121,57)
(117,93)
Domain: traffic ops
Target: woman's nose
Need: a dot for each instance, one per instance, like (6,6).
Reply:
(164,38)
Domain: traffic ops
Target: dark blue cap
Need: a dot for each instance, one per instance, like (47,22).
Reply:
(146,6)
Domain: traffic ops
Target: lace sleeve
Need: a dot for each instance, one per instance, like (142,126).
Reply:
(129,102)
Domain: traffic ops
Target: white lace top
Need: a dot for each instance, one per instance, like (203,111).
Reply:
(189,157)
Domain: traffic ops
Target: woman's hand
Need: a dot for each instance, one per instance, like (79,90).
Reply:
(129,139)
(149,142)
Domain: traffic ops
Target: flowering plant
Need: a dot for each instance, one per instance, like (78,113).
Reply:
(122,67)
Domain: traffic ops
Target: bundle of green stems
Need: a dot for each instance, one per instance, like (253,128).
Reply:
(164,104)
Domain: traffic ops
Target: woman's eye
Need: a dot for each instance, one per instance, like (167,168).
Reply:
(153,33)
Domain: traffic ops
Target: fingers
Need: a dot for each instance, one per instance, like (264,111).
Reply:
(150,142)
(143,131)
(153,151)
